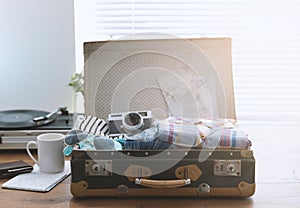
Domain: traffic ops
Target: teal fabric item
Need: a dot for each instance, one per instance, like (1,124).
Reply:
(105,143)
(92,142)
(68,150)
(88,143)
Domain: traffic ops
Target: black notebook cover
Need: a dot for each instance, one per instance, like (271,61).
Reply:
(10,169)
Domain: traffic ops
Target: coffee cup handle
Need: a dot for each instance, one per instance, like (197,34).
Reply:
(29,153)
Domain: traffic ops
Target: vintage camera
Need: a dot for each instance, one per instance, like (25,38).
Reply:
(129,123)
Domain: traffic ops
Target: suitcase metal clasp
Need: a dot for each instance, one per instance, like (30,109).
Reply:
(98,167)
(227,168)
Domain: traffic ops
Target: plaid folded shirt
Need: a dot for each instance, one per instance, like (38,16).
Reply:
(184,135)
(227,138)
(202,135)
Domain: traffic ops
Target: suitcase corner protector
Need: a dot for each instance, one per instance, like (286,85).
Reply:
(246,189)
(79,189)
(247,153)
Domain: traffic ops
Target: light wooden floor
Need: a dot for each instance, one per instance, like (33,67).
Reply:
(276,148)
(277,151)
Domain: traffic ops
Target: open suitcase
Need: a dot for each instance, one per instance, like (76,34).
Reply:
(128,75)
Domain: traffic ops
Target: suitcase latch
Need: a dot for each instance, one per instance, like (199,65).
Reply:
(98,167)
(227,167)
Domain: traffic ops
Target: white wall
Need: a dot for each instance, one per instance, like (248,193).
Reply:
(37,54)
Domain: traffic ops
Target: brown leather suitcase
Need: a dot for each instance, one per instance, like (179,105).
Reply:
(127,75)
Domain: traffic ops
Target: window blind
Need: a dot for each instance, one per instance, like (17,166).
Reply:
(265,42)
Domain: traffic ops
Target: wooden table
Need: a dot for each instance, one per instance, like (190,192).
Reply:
(278,182)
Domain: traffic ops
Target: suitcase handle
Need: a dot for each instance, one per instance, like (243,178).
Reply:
(162,183)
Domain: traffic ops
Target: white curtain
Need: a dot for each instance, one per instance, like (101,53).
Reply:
(265,42)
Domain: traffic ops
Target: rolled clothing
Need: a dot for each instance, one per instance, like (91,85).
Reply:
(226,138)
(144,136)
(180,134)
(150,145)
(104,143)
(202,136)
(87,141)
(74,137)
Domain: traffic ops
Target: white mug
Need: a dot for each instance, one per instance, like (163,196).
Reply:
(50,152)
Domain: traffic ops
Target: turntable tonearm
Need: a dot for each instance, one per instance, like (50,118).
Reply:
(17,127)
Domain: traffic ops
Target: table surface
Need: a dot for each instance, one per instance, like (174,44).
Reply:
(278,181)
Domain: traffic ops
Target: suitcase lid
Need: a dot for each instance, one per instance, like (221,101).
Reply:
(169,76)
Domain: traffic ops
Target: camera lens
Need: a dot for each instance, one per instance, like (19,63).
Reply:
(132,123)
(132,119)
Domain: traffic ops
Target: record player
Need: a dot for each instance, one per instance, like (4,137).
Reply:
(17,127)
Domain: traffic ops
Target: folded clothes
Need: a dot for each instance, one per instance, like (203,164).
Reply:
(210,123)
(89,135)
(184,135)
(75,136)
(89,142)
(170,133)
(149,145)
(220,133)
(104,143)
(93,125)
(147,135)
(226,138)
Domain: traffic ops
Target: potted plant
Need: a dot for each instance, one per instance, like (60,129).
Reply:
(76,83)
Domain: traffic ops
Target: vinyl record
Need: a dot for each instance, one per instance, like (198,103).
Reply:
(22,119)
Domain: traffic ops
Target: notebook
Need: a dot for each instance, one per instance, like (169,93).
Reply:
(37,181)
(10,169)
